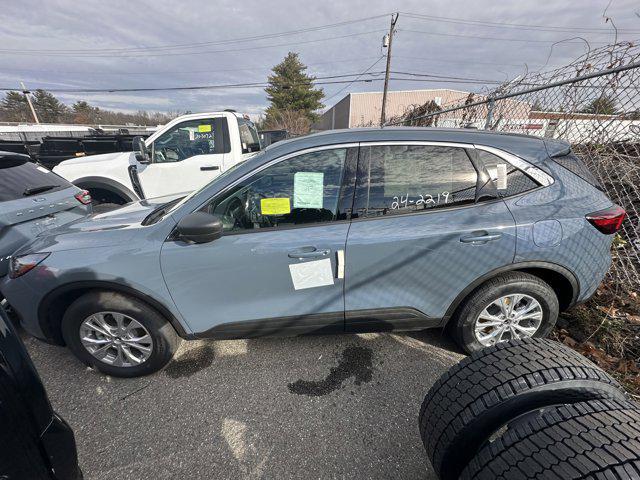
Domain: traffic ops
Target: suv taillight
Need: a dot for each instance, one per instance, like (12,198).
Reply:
(607,221)
(84,197)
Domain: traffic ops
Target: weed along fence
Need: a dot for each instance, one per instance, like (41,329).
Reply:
(594,103)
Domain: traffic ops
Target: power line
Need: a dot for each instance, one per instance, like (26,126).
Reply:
(520,26)
(169,54)
(185,72)
(354,80)
(194,45)
(478,37)
(264,84)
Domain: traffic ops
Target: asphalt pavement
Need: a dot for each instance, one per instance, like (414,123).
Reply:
(341,406)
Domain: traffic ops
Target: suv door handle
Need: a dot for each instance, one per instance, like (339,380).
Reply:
(481,237)
(209,167)
(307,252)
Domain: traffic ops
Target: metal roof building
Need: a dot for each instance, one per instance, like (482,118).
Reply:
(364,109)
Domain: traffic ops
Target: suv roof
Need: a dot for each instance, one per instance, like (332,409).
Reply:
(531,148)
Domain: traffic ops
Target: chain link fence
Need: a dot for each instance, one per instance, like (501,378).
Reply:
(594,103)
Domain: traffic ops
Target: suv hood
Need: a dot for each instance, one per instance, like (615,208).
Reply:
(117,227)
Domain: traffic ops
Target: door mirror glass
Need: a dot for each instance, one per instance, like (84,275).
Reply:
(199,227)
(142,153)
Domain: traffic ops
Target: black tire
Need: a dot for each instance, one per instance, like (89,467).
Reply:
(165,339)
(491,387)
(590,440)
(462,324)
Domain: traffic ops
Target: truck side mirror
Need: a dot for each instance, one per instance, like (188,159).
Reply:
(142,152)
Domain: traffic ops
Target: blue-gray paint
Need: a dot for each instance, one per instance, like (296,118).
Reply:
(414,261)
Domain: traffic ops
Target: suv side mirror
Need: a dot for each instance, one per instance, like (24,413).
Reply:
(142,152)
(199,227)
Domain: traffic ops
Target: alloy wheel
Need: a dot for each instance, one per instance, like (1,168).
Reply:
(509,317)
(116,339)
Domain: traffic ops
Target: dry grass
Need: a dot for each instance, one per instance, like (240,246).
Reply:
(606,329)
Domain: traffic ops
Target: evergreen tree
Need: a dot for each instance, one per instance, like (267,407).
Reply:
(85,113)
(48,107)
(14,108)
(290,89)
(603,105)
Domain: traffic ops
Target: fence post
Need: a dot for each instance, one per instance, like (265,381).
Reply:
(487,124)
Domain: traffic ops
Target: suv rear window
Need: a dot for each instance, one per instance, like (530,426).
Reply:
(21,179)
(576,166)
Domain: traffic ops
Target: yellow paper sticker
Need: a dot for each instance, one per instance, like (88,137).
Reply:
(204,128)
(275,206)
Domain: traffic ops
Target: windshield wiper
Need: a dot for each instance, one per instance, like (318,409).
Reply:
(160,212)
(34,190)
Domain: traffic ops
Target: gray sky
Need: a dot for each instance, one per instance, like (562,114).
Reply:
(121,44)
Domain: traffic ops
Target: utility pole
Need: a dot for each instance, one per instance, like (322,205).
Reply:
(26,95)
(388,39)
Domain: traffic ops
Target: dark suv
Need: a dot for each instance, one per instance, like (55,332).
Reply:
(32,200)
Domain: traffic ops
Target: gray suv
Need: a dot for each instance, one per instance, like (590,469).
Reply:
(486,234)
(32,201)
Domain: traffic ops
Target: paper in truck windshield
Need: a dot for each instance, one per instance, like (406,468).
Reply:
(308,189)
(204,128)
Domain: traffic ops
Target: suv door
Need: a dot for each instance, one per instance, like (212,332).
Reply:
(275,267)
(186,157)
(426,224)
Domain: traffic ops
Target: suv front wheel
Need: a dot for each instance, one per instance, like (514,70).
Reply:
(512,306)
(118,335)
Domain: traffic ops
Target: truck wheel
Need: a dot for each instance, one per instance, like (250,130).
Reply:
(512,306)
(118,335)
(495,385)
(590,440)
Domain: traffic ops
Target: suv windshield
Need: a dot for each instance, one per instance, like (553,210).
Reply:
(20,178)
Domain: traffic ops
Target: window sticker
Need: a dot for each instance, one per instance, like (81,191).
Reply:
(204,128)
(317,273)
(501,176)
(308,189)
(275,206)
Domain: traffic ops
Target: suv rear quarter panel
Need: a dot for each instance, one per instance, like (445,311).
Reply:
(551,227)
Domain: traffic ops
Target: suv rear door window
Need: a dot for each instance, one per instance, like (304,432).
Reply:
(22,179)
(413,178)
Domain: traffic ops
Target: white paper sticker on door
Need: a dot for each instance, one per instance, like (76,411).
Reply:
(311,274)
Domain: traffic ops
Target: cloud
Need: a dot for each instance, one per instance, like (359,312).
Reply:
(91,27)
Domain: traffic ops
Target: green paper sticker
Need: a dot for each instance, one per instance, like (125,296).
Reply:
(308,189)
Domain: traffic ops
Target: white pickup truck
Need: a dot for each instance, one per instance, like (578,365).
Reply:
(183,155)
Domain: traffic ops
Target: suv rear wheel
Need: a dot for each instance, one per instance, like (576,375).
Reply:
(509,307)
(118,335)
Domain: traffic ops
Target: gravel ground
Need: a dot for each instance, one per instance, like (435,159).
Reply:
(342,406)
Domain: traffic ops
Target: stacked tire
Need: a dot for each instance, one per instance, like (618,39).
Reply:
(530,408)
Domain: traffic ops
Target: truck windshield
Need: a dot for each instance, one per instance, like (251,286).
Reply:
(249,136)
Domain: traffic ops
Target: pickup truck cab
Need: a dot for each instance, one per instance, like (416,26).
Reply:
(181,156)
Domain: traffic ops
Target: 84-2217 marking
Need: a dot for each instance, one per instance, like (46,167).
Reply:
(426,200)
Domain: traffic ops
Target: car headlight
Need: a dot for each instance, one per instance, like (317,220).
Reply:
(21,264)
